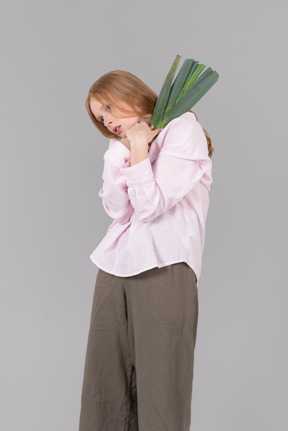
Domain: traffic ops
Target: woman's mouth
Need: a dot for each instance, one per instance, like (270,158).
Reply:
(117,130)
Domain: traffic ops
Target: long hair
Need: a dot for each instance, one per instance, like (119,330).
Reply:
(120,86)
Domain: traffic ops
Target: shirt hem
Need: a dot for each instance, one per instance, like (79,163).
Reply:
(143,269)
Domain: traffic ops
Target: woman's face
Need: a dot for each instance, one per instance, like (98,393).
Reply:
(113,119)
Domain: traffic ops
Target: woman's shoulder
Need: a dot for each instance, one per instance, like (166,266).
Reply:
(184,135)
(184,127)
(188,119)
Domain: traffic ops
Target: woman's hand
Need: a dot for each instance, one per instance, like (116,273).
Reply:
(141,134)
(140,137)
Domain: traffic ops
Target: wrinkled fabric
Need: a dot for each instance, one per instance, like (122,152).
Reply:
(158,206)
(140,353)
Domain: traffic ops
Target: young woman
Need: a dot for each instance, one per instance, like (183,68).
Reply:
(140,353)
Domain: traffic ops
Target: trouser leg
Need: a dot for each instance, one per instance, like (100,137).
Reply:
(109,396)
(162,311)
(140,352)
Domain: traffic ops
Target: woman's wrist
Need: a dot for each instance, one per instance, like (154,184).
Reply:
(138,153)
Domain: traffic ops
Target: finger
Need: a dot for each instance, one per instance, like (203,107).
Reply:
(157,131)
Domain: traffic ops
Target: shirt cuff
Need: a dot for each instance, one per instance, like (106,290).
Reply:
(138,174)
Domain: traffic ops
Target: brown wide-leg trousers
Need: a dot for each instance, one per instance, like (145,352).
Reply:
(140,353)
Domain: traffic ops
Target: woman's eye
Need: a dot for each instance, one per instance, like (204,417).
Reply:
(101,119)
(108,107)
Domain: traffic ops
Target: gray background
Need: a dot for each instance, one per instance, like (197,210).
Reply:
(52,217)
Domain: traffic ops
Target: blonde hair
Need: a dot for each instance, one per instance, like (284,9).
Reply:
(120,86)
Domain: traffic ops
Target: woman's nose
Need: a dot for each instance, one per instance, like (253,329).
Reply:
(107,121)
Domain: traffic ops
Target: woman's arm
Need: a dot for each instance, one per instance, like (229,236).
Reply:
(113,193)
(182,162)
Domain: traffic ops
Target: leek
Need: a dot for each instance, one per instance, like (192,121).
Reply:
(180,96)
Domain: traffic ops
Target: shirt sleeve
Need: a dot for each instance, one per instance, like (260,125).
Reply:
(181,163)
(113,193)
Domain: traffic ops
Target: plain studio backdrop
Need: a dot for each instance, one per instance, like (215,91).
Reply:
(52,217)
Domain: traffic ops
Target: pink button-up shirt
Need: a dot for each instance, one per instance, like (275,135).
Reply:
(158,206)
